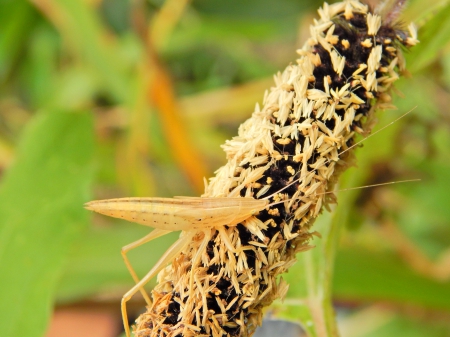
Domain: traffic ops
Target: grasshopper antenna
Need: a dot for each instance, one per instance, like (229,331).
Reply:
(373,134)
(350,189)
(349,148)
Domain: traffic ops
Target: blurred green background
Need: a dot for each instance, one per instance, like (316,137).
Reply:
(102,99)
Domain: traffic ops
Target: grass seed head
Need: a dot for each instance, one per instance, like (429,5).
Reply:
(308,119)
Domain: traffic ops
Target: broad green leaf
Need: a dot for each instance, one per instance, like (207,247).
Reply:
(411,327)
(41,198)
(383,321)
(365,275)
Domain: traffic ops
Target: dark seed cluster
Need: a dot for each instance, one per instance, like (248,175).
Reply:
(293,150)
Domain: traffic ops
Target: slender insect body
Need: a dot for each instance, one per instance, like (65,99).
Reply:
(188,214)
(180,213)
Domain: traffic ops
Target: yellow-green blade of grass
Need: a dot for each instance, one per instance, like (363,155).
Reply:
(434,39)
(309,299)
(41,199)
(17,20)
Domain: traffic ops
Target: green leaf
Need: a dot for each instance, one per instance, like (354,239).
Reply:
(41,214)
(372,275)
(408,326)
(17,19)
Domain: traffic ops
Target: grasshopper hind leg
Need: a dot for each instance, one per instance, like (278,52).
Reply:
(156,233)
(167,257)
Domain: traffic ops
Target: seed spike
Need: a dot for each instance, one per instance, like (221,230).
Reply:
(312,128)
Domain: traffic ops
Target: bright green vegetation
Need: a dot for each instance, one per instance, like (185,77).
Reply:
(87,111)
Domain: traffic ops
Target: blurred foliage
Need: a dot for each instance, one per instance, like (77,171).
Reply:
(119,98)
